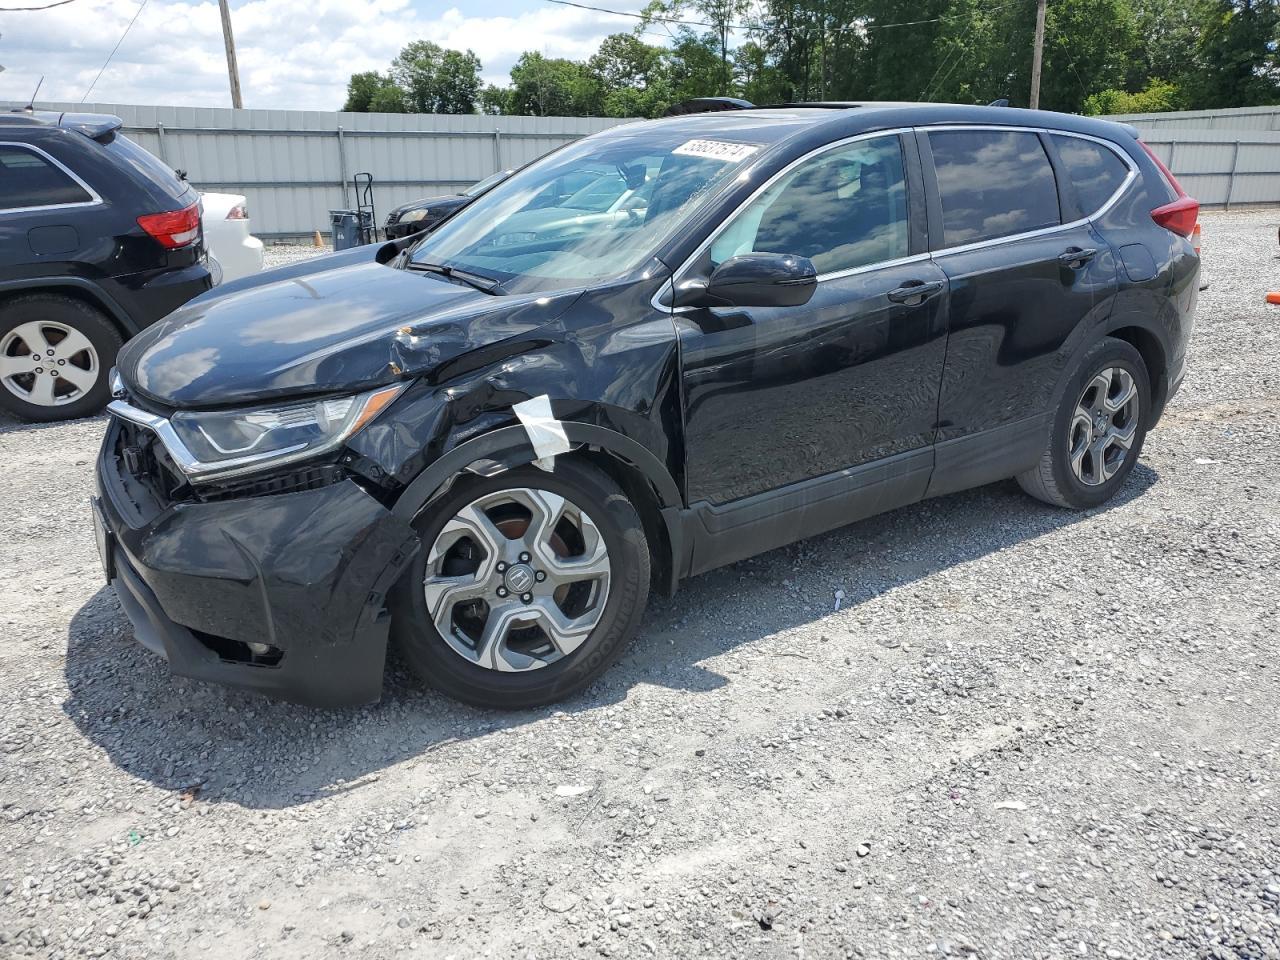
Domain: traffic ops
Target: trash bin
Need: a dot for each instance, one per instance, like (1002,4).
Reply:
(345,225)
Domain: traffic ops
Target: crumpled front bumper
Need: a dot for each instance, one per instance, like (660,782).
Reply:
(283,593)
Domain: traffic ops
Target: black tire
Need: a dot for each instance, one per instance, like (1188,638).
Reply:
(439,665)
(62,311)
(1052,479)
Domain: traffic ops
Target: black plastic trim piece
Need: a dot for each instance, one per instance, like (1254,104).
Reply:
(510,447)
(101,298)
(719,534)
(988,456)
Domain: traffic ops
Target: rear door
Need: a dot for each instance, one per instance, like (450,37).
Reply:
(41,206)
(1027,278)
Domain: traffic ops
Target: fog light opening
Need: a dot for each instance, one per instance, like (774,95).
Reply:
(250,653)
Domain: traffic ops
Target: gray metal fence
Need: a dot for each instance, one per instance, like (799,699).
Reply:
(295,165)
(1221,157)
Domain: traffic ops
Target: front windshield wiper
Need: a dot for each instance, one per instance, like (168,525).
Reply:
(477,280)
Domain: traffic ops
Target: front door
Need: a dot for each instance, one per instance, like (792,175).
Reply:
(775,397)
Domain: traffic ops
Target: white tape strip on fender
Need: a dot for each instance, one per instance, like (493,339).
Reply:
(546,433)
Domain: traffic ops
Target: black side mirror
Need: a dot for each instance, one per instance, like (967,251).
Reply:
(754,280)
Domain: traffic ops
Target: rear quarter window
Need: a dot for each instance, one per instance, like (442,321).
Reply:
(1095,171)
(28,179)
(993,183)
(147,165)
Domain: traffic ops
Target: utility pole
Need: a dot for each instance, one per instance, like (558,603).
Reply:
(1037,56)
(230,41)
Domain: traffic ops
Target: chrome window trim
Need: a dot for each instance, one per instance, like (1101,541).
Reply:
(677,275)
(1042,231)
(94,200)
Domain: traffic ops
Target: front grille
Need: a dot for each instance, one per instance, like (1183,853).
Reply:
(291,481)
(143,478)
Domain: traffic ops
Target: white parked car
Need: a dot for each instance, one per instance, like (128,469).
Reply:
(234,252)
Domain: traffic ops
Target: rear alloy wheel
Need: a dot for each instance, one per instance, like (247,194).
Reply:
(1098,429)
(529,584)
(54,356)
(1104,426)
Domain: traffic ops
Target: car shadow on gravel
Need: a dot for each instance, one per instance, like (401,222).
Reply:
(237,747)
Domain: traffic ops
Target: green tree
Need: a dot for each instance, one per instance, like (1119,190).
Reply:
(634,77)
(1236,62)
(1156,97)
(494,100)
(364,90)
(554,87)
(436,80)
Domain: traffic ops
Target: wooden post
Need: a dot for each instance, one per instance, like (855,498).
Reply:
(1037,56)
(229,40)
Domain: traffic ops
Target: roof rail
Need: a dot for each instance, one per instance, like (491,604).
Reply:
(707,105)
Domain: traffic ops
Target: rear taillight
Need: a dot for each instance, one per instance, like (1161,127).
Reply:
(238,212)
(1182,216)
(173,229)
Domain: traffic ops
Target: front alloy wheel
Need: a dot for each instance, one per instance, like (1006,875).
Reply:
(528,586)
(517,579)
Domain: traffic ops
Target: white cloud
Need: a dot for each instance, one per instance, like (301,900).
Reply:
(294,54)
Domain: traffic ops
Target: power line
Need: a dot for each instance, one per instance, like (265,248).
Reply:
(113,51)
(640,16)
(47,6)
(747,26)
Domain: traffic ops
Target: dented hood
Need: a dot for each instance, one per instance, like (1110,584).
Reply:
(340,330)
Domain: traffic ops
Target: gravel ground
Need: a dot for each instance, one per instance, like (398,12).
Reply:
(1025,734)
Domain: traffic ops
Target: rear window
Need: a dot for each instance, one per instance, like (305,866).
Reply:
(993,183)
(1095,171)
(29,180)
(147,164)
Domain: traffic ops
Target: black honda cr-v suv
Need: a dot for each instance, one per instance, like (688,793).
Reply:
(491,444)
(98,239)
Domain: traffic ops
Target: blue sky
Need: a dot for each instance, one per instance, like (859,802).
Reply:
(294,54)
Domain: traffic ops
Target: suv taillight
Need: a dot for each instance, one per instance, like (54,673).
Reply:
(173,229)
(238,212)
(1183,214)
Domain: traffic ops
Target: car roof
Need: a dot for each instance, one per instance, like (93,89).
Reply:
(769,125)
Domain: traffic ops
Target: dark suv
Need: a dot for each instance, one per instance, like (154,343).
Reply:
(98,239)
(493,443)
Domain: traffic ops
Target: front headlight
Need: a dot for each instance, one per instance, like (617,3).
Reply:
(219,443)
(413,216)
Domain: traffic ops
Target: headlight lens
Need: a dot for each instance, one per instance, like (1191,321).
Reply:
(223,441)
(415,215)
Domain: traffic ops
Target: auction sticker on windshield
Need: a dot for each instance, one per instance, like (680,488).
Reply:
(716,150)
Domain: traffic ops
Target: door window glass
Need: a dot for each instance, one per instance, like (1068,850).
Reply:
(29,180)
(993,183)
(1095,171)
(842,209)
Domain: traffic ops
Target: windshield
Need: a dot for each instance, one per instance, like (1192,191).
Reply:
(595,209)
